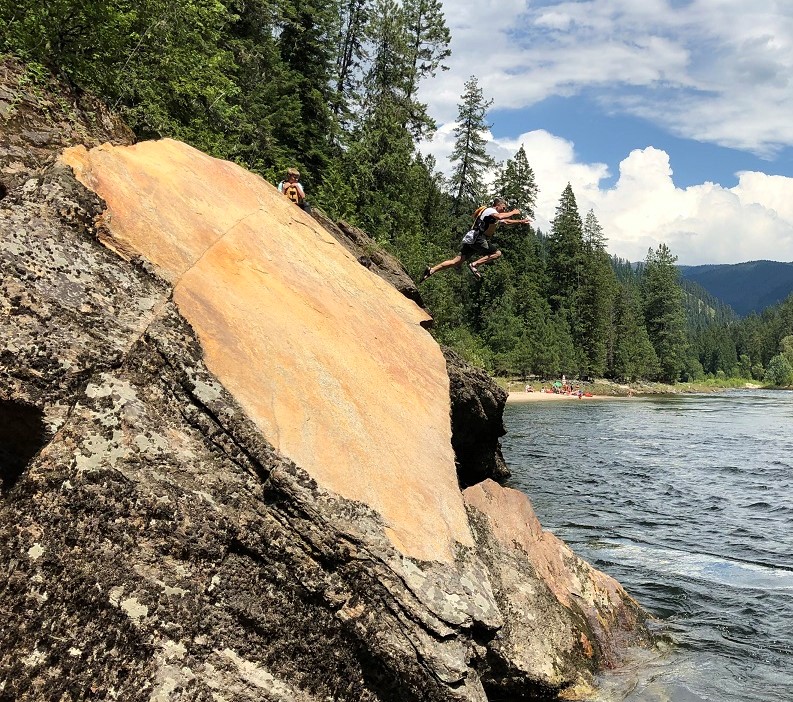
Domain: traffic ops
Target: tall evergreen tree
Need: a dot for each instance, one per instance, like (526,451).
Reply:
(428,40)
(565,252)
(469,157)
(593,303)
(305,124)
(351,34)
(624,270)
(663,312)
(252,37)
(515,181)
(382,147)
(632,354)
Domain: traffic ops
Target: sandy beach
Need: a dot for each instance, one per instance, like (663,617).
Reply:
(558,397)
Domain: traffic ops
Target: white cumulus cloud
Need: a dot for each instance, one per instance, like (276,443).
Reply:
(704,223)
(715,71)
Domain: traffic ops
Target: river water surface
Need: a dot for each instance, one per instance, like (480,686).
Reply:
(687,500)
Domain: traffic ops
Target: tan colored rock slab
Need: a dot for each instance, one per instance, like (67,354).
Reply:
(564,615)
(327,359)
(515,525)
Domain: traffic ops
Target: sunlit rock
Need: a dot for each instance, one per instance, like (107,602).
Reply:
(228,464)
(562,616)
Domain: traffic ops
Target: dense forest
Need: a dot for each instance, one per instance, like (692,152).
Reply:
(333,88)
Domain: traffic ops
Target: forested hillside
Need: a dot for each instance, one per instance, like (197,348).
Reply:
(746,287)
(332,88)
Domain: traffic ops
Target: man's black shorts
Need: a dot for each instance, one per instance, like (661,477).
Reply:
(481,247)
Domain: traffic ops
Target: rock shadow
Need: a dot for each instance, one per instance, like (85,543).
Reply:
(22,435)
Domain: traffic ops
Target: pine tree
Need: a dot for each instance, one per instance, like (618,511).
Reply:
(382,148)
(593,302)
(663,312)
(565,252)
(624,270)
(252,39)
(305,46)
(516,182)
(469,154)
(502,331)
(632,355)
(428,40)
(351,34)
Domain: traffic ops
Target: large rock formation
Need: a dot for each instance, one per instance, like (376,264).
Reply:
(227,467)
(477,403)
(477,407)
(552,601)
(369,254)
(39,117)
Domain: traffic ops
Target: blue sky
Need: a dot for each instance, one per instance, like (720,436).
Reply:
(607,138)
(672,120)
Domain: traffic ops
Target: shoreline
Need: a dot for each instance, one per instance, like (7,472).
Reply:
(521,396)
(616,391)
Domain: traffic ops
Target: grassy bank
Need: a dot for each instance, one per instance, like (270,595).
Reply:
(601,386)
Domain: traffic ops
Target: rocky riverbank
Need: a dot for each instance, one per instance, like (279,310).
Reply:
(232,470)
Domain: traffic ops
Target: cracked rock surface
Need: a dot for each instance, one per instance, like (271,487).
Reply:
(185,514)
(157,546)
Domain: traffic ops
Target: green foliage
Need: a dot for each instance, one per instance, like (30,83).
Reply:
(331,87)
(349,35)
(461,340)
(745,366)
(565,251)
(516,183)
(663,312)
(469,155)
(786,346)
(338,193)
(779,371)
(593,302)
(163,65)
(428,40)
(693,370)
(745,347)
(702,309)
(633,356)
(780,367)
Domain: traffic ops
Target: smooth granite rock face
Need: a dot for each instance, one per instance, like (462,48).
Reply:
(158,546)
(477,402)
(227,472)
(371,256)
(328,360)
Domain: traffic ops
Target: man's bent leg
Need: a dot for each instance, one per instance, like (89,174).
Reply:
(487,259)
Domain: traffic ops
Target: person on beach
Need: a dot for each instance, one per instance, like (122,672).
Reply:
(477,240)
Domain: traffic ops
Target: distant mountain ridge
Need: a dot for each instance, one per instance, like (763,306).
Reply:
(746,287)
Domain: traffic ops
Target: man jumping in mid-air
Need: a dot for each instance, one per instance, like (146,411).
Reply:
(477,240)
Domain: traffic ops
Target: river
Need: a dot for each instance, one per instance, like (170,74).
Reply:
(687,500)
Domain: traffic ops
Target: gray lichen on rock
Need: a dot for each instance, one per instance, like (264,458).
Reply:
(157,545)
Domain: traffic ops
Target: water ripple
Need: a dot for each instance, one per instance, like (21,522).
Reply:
(688,502)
